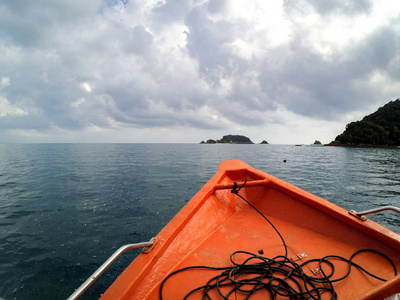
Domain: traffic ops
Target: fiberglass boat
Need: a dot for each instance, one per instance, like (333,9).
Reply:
(249,235)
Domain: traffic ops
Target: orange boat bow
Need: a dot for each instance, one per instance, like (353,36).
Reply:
(215,223)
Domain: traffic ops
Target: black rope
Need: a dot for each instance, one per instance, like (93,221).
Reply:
(235,191)
(276,276)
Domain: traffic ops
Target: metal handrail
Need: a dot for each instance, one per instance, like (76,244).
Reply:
(376,210)
(105,266)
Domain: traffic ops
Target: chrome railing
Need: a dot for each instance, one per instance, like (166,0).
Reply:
(376,210)
(105,266)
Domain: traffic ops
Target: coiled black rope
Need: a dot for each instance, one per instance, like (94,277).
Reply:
(277,276)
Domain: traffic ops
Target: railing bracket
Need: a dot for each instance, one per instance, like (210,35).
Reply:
(148,249)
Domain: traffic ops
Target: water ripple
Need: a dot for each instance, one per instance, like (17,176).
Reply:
(64,208)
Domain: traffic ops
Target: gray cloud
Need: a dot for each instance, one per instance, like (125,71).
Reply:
(347,7)
(207,65)
(140,41)
(218,6)
(171,11)
(32,24)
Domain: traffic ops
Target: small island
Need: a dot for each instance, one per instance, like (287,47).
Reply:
(230,139)
(379,129)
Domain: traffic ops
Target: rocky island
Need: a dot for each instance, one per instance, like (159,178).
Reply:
(230,139)
(379,129)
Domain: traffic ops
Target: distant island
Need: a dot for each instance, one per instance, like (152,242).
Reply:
(379,129)
(230,139)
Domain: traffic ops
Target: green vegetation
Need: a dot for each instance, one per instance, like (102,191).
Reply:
(380,128)
(235,139)
(230,139)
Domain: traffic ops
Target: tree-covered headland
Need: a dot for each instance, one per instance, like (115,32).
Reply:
(381,128)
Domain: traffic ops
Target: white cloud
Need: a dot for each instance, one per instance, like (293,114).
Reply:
(86,87)
(7,109)
(5,82)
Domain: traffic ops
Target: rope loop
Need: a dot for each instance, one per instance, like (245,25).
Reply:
(276,276)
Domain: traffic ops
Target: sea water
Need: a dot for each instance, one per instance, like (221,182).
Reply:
(65,208)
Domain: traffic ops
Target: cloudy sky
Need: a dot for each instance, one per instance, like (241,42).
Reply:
(188,70)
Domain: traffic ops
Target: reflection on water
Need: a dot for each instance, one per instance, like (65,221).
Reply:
(65,208)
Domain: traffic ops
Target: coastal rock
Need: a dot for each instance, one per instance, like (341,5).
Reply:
(317,142)
(264,142)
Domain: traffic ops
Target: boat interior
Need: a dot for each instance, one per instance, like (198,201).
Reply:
(243,214)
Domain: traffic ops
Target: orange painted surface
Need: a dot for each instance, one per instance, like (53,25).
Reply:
(216,223)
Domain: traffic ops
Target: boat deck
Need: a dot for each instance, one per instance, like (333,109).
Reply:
(216,223)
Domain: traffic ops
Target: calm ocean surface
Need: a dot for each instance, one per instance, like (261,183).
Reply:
(65,208)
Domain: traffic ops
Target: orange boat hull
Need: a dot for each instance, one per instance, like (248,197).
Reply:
(216,223)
